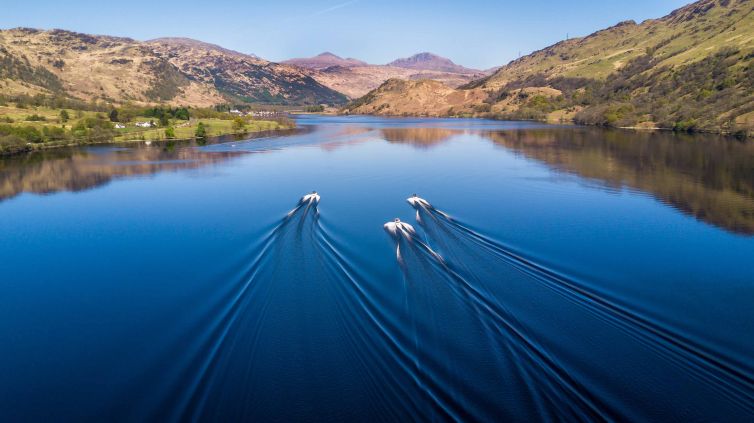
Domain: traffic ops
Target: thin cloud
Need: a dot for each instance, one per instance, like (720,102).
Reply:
(325,10)
(332,8)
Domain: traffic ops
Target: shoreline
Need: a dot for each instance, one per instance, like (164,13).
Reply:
(564,123)
(31,148)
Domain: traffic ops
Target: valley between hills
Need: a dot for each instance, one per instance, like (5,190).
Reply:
(689,71)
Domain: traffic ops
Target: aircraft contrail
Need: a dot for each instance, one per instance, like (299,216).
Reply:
(331,8)
(325,10)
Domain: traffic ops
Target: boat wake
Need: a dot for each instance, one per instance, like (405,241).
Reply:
(498,356)
(553,323)
(469,329)
(301,309)
(224,376)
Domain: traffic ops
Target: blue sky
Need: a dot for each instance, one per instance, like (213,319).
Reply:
(475,33)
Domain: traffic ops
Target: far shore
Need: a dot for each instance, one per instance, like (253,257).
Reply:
(639,128)
(213,139)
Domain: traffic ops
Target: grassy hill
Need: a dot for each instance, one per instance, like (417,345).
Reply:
(685,36)
(424,97)
(690,70)
(121,70)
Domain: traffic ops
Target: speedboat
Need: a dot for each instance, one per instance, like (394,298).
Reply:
(398,228)
(312,198)
(417,202)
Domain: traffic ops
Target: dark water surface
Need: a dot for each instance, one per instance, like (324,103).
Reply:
(559,273)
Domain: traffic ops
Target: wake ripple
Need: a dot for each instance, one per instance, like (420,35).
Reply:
(494,335)
(211,360)
(304,333)
(496,275)
(474,331)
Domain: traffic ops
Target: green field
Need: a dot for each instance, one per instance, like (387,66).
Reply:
(29,128)
(52,116)
(185,130)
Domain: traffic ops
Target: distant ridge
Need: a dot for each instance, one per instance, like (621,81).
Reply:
(323,61)
(190,42)
(432,62)
(355,78)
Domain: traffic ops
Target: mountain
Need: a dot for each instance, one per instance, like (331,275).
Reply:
(432,62)
(417,98)
(324,60)
(359,80)
(690,70)
(172,70)
(201,45)
(355,78)
(242,77)
(685,36)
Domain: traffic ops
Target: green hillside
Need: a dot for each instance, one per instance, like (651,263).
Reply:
(690,70)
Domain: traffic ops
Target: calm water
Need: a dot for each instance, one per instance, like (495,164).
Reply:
(559,273)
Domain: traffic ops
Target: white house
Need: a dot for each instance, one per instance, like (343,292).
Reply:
(120,126)
(144,124)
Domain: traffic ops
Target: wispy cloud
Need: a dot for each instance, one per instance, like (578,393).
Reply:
(332,8)
(324,11)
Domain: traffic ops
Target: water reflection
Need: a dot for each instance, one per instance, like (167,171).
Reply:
(419,137)
(78,169)
(710,178)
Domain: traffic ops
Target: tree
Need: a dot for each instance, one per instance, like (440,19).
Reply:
(239,124)
(64,116)
(201,131)
(169,132)
(164,121)
(27,133)
(114,115)
(181,113)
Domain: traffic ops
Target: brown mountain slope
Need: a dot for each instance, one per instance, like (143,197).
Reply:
(432,62)
(691,70)
(359,80)
(242,77)
(417,98)
(118,70)
(355,78)
(324,60)
(92,67)
(201,45)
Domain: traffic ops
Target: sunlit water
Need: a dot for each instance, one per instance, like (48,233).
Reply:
(553,273)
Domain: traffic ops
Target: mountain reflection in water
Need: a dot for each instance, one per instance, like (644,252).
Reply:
(419,137)
(708,177)
(80,169)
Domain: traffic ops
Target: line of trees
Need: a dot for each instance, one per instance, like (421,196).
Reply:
(90,129)
(162,114)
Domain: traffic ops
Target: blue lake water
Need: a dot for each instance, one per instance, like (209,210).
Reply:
(557,273)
